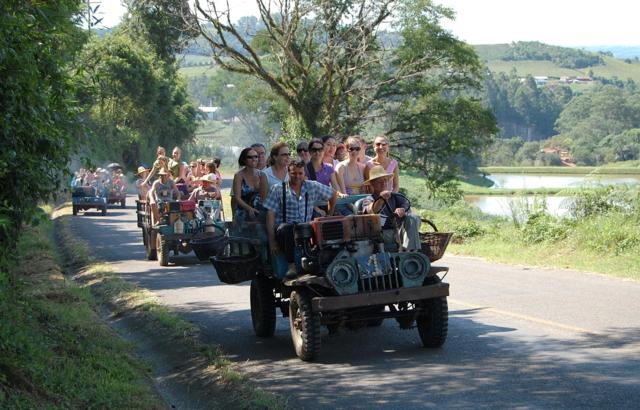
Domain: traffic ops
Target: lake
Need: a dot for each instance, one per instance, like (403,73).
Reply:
(502,205)
(556,205)
(533,181)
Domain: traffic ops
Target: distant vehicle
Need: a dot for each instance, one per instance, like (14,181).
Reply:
(184,226)
(88,197)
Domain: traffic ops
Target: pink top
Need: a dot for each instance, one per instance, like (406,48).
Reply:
(393,164)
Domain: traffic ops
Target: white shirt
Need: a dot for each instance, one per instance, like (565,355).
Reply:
(273,180)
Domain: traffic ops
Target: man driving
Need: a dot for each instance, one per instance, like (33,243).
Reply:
(392,207)
(300,197)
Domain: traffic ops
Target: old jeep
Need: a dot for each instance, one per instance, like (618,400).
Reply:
(351,275)
(184,226)
(88,197)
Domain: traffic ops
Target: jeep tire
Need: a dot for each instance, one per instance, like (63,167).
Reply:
(305,326)
(433,322)
(75,210)
(263,307)
(162,250)
(104,210)
(152,255)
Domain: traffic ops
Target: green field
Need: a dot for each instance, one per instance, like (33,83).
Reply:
(613,68)
(197,71)
(625,168)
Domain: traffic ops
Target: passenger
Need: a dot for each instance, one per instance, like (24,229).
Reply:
(163,189)
(381,146)
(192,176)
(262,155)
(212,170)
(300,195)
(303,152)
(397,204)
(350,171)
(363,157)
(279,160)
(202,167)
(207,189)
(341,153)
(253,186)
(142,187)
(175,166)
(317,170)
(161,162)
(218,161)
(330,144)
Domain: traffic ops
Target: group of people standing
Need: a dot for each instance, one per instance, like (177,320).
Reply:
(178,180)
(343,166)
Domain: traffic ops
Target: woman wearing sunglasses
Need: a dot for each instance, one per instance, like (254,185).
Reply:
(381,147)
(318,170)
(252,185)
(351,171)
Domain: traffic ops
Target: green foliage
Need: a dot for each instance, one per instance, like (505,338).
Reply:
(132,101)
(562,56)
(39,129)
(599,125)
(601,200)
(613,233)
(541,227)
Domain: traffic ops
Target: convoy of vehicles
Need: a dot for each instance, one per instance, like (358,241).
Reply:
(350,274)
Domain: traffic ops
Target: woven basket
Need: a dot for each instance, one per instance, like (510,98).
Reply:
(206,246)
(238,263)
(433,244)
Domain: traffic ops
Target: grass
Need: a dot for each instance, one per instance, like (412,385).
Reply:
(613,67)
(54,350)
(197,71)
(125,298)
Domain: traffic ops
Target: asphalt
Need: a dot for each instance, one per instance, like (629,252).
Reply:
(519,337)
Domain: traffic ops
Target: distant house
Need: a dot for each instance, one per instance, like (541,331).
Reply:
(565,156)
(208,111)
(541,80)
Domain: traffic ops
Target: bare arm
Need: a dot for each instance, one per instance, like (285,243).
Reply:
(332,203)
(396,179)
(271,232)
(264,186)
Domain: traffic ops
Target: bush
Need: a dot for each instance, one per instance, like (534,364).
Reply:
(603,200)
(542,227)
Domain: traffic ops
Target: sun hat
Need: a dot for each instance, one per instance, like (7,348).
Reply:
(376,172)
(163,172)
(141,169)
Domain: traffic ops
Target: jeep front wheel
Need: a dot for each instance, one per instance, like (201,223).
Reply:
(433,321)
(263,307)
(305,326)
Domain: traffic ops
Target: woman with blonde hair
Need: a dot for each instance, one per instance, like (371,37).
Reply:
(381,148)
(350,171)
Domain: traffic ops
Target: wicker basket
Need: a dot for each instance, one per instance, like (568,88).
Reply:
(207,246)
(434,243)
(239,262)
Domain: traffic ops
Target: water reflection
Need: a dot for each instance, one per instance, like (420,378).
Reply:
(530,181)
(503,205)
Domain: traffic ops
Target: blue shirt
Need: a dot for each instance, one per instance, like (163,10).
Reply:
(310,192)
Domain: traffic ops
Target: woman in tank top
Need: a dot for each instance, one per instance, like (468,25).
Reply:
(350,171)
(381,147)
(249,186)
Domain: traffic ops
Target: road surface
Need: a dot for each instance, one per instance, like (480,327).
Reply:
(518,336)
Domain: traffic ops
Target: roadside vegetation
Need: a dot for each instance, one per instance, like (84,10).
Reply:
(125,299)
(55,352)
(601,233)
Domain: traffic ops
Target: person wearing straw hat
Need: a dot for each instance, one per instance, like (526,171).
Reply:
(392,206)
(163,189)
(142,187)
(207,189)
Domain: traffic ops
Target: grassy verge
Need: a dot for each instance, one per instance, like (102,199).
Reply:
(54,350)
(125,298)
(607,243)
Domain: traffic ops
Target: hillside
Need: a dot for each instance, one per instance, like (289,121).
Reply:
(498,58)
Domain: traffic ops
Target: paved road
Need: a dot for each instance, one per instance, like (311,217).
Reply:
(518,336)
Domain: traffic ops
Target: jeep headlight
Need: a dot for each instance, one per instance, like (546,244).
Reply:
(343,275)
(413,268)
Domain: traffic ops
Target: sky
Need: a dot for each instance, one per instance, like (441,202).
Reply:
(557,22)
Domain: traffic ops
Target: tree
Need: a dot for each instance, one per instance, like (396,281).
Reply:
(325,59)
(132,100)
(39,131)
